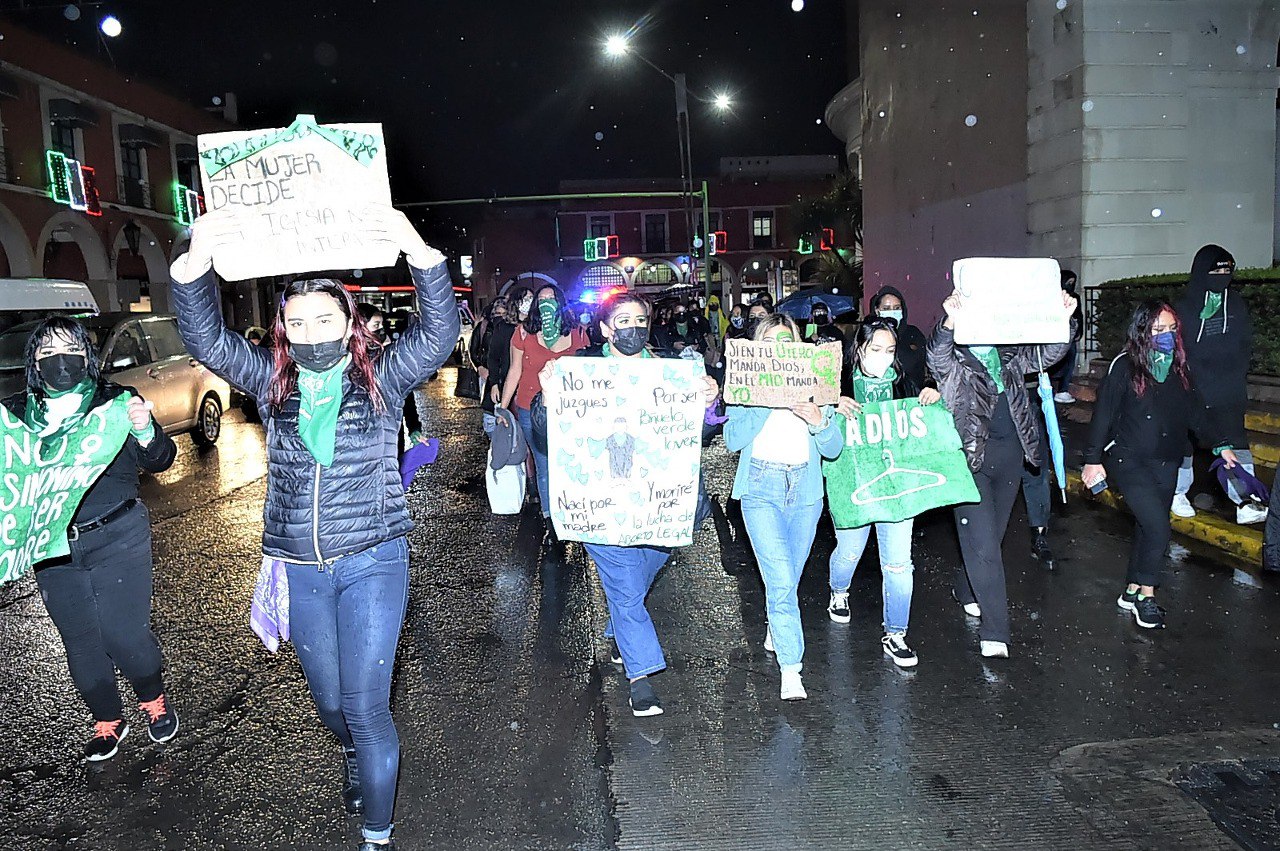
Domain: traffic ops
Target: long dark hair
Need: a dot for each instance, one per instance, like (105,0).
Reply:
(284,372)
(866,331)
(533,322)
(68,329)
(615,302)
(1138,346)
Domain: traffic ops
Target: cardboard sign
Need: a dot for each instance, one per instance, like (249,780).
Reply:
(304,188)
(779,375)
(1010,301)
(46,478)
(899,459)
(624,446)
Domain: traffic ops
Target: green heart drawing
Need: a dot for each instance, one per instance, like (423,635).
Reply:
(637,498)
(635,379)
(644,472)
(613,369)
(579,440)
(622,400)
(588,367)
(563,458)
(620,516)
(565,425)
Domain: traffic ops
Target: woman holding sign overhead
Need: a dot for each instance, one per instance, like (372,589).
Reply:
(99,593)
(983,386)
(779,482)
(877,376)
(335,511)
(627,572)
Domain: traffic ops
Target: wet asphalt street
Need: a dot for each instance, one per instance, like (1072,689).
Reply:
(515,730)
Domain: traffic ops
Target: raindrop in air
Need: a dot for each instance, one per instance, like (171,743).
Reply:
(1087,106)
(970,120)
(1241,49)
(1157,213)
(325,53)
(71,12)
(217,101)
(1062,4)
(599,136)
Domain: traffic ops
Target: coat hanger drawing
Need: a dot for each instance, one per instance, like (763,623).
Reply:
(925,479)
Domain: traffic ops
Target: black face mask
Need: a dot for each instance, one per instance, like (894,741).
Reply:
(62,372)
(631,340)
(1220,281)
(318,357)
(821,319)
(752,324)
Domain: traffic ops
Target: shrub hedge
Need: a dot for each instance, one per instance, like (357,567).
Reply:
(1114,302)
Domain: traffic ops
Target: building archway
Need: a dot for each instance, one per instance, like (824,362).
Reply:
(809,269)
(16,259)
(87,261)
(603,274)
(532,280)
(657,273)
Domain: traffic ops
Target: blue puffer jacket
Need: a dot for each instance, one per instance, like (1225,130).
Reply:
(316,514)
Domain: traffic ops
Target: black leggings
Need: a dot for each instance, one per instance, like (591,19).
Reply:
(1147,486)
(981,526)
(100,601)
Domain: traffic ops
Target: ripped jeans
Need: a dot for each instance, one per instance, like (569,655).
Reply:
(896,569)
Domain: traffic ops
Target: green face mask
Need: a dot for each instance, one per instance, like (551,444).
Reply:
(549,313)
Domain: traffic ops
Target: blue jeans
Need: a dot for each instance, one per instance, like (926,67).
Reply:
(627,574)
(781,529)
(345,620)
(896,569)
(539,459)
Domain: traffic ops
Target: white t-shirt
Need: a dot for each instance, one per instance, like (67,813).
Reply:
(783,439)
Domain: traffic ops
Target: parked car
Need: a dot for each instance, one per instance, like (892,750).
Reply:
(145,352)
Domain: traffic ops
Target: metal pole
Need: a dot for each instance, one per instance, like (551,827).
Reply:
(706,246)
(510,199)
(686,164)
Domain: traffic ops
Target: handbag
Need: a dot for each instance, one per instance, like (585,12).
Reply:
(505,487)
(468,386)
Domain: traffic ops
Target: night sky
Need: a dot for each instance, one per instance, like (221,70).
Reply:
(494,98)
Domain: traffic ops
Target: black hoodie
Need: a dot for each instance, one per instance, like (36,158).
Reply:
(1218,348)
(911,342)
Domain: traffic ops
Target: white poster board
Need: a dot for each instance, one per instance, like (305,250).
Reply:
(624,449)
(304,188)
(1010,301)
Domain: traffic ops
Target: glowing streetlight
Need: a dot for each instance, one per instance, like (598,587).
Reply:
(723,102)
(616,45)
(110,26)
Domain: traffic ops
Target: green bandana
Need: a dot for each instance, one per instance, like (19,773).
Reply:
(321,400)
(1160,364)
(990,357)
(48,476)
(868,389)
(36,414)
(608,352)
(1212,304)
(549,313)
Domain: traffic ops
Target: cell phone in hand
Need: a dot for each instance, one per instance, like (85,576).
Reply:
(1098,487)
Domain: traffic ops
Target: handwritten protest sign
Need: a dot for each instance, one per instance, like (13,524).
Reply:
(303,189)
(45,479)
(778,375)
(624,445)
(1010,301)
(899,459)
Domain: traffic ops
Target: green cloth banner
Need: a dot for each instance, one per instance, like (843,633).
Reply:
(363,147)
(43,485)
(899,459)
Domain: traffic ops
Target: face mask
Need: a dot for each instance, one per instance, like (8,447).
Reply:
(1163,342)
(381,334)
(715,308)
(629,341)
(821,319)
(62,372)
(549,312)
(584,318)
(680,318)
(1219,282)
(525,304)
(876,364)
(737,321)
(895,315)
(318,357)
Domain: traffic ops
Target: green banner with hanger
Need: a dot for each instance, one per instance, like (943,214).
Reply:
(899,459)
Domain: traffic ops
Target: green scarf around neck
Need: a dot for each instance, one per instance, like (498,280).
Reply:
(318,407)
(1212,304)
(36,415)
(1160,364)
(990,357)
(868,389)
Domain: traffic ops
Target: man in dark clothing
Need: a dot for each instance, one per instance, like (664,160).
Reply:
(1218,334)
(683,332)
(824,330)
(890,303)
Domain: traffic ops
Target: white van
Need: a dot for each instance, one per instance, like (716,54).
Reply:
(30,299)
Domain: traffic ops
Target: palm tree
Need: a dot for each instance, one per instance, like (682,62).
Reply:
(839,208)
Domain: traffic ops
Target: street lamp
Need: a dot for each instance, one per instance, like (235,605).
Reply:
(616,45)
(723,102)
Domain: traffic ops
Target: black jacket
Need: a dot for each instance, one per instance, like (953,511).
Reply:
(312,513)
(1219,348)
(912,345)
(1152,426)
(119,483)
(970,393)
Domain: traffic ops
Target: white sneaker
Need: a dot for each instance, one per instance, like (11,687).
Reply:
(973,610)
(995,649)
(1064,398)
(895,647)
(792,686)
(1250,513)
(1182,506)
(838,608)
(768,639)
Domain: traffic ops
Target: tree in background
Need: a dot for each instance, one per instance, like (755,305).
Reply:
(839,208)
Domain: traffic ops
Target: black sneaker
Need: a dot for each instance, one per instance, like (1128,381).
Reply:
(1127,600)
(644,700)
(1148,614)
(615,655)
(107,736)
(162,720)
(352,794)
(1040,549)
(895,647)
